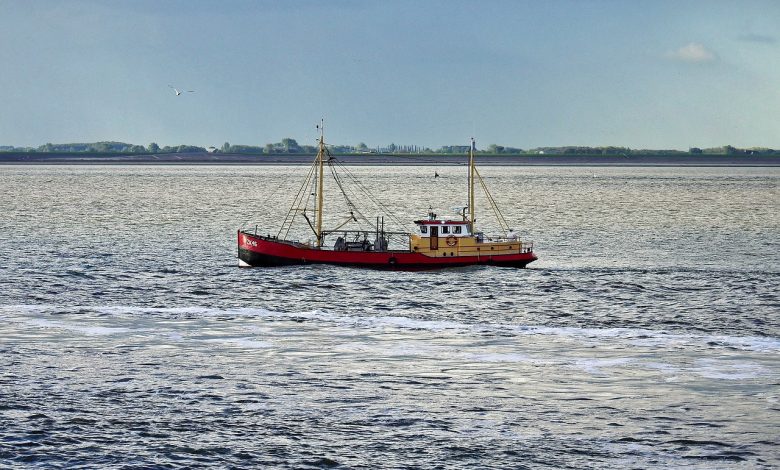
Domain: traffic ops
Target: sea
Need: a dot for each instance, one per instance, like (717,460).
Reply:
(647,334)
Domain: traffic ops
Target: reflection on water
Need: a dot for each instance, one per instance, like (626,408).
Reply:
(646,335)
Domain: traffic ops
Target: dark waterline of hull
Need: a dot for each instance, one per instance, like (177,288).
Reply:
(256,260)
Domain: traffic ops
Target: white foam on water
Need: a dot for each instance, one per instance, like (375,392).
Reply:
(247,343)
(414,324)
(174,336)
(497,357)
(661,367)
(119,310)
(728,370)
(410,348)
(354,347)
(85,329)
(597,366)
(632,337)
(748,343)
(423,349)
(24,307)
(652,338)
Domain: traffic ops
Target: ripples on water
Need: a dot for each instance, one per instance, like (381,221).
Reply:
(647,335)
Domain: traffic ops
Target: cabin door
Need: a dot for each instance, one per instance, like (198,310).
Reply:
(434,238)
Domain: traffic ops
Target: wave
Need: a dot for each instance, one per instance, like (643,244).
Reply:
(663,270)
(631,336)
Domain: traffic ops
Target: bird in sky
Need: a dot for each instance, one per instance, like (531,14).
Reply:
(178,92)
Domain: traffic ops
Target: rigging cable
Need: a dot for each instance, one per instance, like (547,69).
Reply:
(371,197)
(353,208)
(304,189)
(499,216)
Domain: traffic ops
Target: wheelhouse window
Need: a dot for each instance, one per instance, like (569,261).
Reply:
(423,229)
(445,229)
(457,229)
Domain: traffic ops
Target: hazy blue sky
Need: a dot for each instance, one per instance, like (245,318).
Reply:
(643,74)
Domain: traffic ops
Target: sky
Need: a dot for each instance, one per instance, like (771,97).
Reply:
(641,74)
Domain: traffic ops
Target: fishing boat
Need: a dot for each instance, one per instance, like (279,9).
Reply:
(434,243)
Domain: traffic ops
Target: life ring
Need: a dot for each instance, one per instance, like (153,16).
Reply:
(452,240)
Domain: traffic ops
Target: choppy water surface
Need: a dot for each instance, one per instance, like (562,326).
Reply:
(646,336)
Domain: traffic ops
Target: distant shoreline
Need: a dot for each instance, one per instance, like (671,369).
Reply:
(396,160)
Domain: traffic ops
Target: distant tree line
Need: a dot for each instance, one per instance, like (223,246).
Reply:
(729,150)
(291,146)
(105,147)
(287,145)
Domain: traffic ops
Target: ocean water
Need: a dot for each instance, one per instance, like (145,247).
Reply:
(646,336)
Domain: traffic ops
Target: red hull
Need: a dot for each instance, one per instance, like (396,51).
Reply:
(255,250)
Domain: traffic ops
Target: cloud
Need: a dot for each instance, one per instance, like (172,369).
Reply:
(759,38)
(693,52)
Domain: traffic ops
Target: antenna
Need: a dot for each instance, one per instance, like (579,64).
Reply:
(472,216)
(321,127)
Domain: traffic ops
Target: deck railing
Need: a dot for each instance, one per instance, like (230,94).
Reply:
(527,246)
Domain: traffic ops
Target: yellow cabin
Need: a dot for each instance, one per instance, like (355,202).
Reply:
(447,238)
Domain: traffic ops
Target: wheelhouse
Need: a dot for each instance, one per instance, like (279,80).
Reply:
(442,228)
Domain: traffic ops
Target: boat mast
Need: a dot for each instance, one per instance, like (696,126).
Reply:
(471,184)
(321,176)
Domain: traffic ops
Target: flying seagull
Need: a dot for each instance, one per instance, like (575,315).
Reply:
(175,90)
